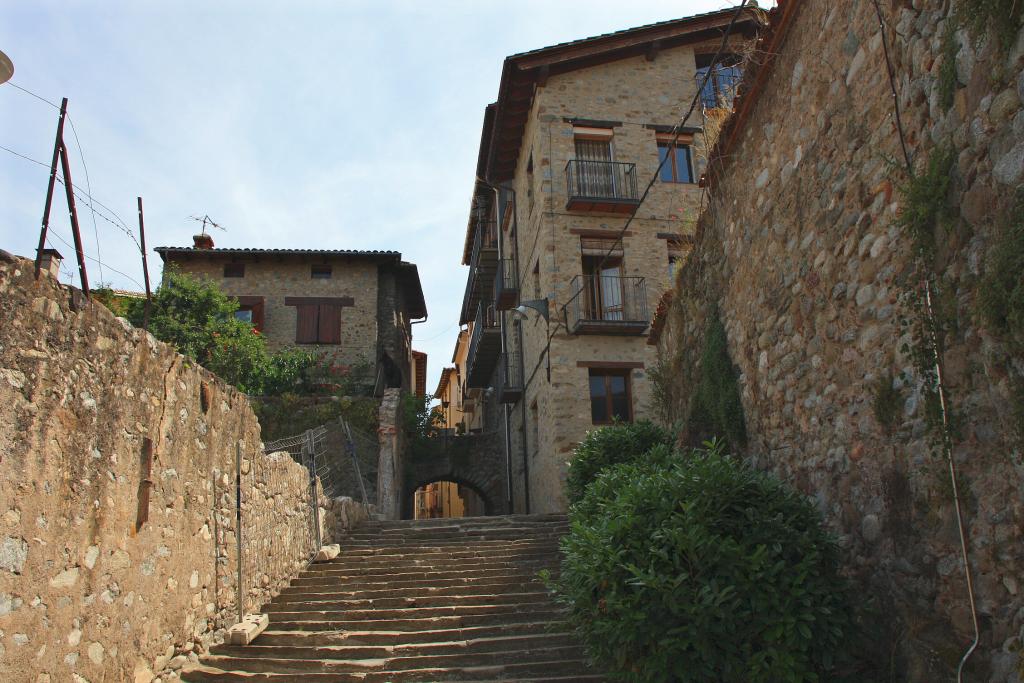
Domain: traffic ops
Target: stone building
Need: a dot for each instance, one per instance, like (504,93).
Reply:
(566,152)
(355,308)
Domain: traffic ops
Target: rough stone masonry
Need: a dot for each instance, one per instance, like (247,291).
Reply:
(803,255)
(103,575)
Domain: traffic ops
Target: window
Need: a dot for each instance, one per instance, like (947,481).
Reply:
(318,324)
(320,272)
(602,278)
(610,396)
(677,166)
(234,270)
(250,310)
(594,171)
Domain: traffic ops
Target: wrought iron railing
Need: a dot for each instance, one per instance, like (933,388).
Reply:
(506,284)
(486,320)
(610,301)
(510,377)
(601,180)
(486,239)
(720,90)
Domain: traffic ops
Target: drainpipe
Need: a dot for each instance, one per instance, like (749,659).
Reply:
(522,400)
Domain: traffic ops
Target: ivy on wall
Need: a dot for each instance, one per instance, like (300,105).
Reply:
(716,410)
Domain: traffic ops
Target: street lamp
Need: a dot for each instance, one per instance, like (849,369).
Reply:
(6,68)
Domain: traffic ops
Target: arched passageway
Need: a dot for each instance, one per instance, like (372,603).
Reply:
(447,499)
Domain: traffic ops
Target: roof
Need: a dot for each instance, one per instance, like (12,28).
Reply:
(420,383)
(443,383)
(409,278)
(523,72)
(371,253)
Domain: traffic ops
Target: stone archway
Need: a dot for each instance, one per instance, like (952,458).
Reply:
(476,461)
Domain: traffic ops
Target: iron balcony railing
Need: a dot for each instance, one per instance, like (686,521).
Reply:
(607,304)
(721,87)
(483,345)
(486,240)
(601,181)
(506,284)
(510,377)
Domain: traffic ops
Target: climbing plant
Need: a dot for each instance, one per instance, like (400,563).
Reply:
(716,409)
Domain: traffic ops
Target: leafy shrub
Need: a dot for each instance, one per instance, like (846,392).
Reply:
(198,319)
(697,568)
(607,446)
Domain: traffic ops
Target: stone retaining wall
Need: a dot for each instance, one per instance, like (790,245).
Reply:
(96,583)
(802,253)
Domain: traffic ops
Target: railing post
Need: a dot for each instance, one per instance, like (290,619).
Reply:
(310,448)
(238,524)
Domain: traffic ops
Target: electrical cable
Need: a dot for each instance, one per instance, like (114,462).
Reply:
(88,189)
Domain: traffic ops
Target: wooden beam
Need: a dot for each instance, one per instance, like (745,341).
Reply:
(652,51)
(610,364)
(542,76)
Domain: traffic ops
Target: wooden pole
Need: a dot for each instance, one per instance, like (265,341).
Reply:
(49,190)
(145,267)
(69,191)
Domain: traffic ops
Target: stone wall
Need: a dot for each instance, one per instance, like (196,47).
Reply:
(802,253)
(105,573)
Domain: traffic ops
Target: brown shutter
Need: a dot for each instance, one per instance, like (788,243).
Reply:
(306,325)
(329,327)
(257,315)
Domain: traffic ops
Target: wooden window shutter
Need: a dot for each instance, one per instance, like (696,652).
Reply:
(306,325)
(329,327)
(257,315)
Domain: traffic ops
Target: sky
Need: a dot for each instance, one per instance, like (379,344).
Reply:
(299,124)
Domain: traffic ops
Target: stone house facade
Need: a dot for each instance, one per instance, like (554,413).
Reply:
(566,153)
(354,308)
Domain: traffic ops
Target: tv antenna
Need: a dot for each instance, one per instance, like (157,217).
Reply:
(206,220)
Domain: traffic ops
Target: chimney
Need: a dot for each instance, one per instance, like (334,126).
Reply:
(202,241)
(50,263)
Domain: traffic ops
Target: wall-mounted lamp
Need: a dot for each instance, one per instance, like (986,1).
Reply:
(539,305)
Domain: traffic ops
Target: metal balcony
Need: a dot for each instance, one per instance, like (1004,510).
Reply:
(483,263)
(606,304)
(510,377)
(506,285)
(484,347)
(607,186)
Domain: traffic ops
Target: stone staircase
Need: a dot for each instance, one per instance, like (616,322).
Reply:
(430,600)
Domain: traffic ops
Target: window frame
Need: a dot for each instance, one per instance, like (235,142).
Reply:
(237,270)
(607,374)
(672,150)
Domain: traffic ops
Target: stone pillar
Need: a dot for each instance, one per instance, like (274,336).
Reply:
(389,463)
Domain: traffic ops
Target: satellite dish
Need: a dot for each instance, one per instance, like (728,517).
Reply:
(6,68)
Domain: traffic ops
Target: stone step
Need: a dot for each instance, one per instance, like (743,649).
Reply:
(496,521)
(551,656)
(423,601)
(397,637)
(445,561)
(383,591)
(362,572)
(431,553)
(414,620)
(496,645)
(509,674)
(444,545)
(411,580)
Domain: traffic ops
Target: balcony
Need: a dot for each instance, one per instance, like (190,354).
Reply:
(510,377)
(606,186)
(482,265)
(484,347)
(606,304)
(506,285)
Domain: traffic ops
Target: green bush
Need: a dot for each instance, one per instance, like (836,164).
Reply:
(697,568)
(717,411)
(607,446)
